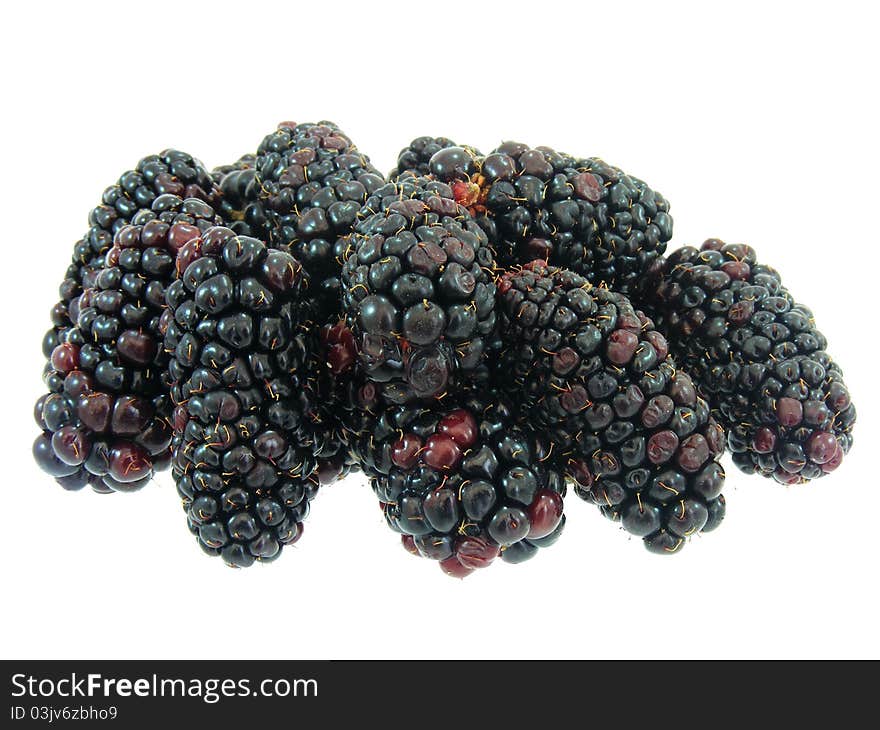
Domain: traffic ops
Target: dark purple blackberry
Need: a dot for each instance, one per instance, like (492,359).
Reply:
(245,489)
(417,155)
(580,214)
(245,449)
(107,411)
(311,181)
(462,483)
(238,200)
(758,357)
(418,293)
(171,172)
(237,315)
(626,425)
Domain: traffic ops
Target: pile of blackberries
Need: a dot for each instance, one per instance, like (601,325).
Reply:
(476,333)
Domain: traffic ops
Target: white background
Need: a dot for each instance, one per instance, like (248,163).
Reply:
(758,122)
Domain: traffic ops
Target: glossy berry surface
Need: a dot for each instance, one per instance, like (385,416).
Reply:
(416,156)
(628,427)
(463,482)
(247,422)
(757,355)
(108,376)
(579,213)
(311,181)
(418,293)
(171,172)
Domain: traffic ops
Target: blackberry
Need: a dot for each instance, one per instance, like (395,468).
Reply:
(580,214)
(106,414)
(238,199)
(311,181)
(462,483)
(171,172)
(236,318)
(627,426)
(417,155)
(246,445)
(243,213)
(308,184)
(417,290)
(758,357)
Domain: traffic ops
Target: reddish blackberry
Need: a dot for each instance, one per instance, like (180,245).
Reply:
(462,483)
(628,427)
(311,181)
(107,409)
(417,155)
(757,355)
(418,292)
(245,457)
(238,200)
(580,214)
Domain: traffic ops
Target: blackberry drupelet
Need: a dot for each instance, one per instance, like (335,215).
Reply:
(757,356)
(238,199)
(246,443)
(629,428)
(105,417)
(462,483)
(580,214)
(417,155)
(418,293)
(245,162)
(311,181)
